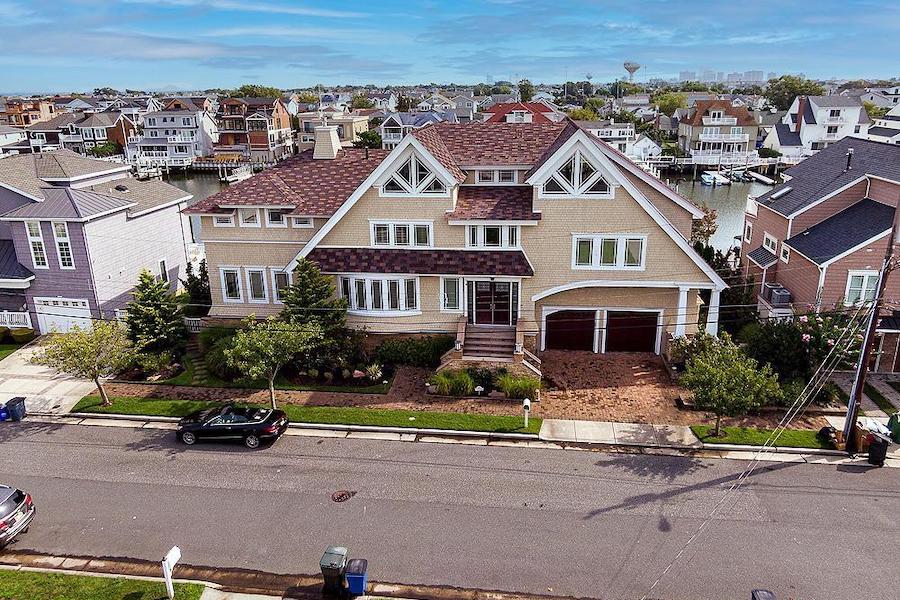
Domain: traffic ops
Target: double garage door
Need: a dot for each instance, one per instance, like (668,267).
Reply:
(61,314)
(623,331)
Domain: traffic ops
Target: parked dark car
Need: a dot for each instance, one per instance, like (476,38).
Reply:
(16,512)
(251,425)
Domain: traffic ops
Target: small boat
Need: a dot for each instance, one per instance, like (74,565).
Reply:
(713,178)
(238,174)
(736,175)
(145,172)
(761,178)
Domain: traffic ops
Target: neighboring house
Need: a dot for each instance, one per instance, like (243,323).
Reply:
(175,136)
(254,129)
(75,234)
(767,120)
(644,148)
(890,93)
(386,101)
(817,241)
(714,132)
(396,126)
(135,107)
(22,112)
(54,133)
(79,131)
(435,102)
(511,236)
(886,128)
(11,139)
(620,136)
(349,126)
(814,122)
(542,96)
(523,112)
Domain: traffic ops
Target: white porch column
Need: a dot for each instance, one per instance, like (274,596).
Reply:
(712,316)
(681,316)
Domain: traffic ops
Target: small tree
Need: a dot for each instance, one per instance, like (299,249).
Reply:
(197,287)
(669,102)
(582,114)
(780,92)
(727,382)
(526,90)
(95,353)
(361,101)
(705,228)
(311,298)
(251,90)
(262,348)
(104,150)
(155,317)
(368,139)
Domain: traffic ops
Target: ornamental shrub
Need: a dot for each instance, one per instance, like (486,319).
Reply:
(518,386)
(416,352)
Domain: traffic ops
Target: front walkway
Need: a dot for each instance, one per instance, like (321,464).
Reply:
(45,390)
(625,434)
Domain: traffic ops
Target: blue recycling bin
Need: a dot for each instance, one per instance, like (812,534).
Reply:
(357,576)
(16,408)
(4,414)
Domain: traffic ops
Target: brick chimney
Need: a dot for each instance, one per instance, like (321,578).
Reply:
(327,142)
(801,109)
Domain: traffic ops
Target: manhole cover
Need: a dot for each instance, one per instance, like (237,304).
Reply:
(342,495)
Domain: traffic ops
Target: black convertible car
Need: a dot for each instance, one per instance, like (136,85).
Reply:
(251,425)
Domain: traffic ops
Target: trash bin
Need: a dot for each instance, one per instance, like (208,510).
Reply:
(16,408)
(357,576)
(4,414)
(333,563)
(762,595)
(894,426)
(878,448)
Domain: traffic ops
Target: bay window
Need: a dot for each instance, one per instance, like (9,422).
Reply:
(257,288)
(380,293)
(492,236)
(609,252)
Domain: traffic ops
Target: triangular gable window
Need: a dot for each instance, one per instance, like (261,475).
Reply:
(394,186)
(576,177)
(414,177)
(435,187)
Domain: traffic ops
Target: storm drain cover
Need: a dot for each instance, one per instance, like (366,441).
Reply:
(342,495)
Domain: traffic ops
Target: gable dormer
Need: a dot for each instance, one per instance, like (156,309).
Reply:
(576,170)
(414,173)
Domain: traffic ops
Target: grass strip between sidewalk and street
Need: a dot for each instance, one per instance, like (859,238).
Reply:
(27,585)
(7,349)
(878,398)
(327,415)
(750,436)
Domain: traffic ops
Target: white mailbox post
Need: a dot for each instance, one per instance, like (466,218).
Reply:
(526,406)
(168,565)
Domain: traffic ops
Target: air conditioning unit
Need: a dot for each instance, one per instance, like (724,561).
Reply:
(767,290)
(780,297)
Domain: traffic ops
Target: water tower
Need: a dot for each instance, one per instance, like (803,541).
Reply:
(631,67)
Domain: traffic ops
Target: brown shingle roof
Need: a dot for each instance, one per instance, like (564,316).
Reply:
(510,263)
(313,187)
(702,107)
(494,144)
(496,203)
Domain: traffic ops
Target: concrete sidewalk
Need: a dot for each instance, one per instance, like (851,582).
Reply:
(619,434)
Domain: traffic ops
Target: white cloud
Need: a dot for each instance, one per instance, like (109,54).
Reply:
(259,7)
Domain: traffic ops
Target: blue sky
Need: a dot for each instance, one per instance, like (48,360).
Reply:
(69,45)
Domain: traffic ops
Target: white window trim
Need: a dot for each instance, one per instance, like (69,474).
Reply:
(392,242)
(225,298)
(385,287)
(230,222)
(487,173)
(748,231)
(580,189)
(240,212)
(57,240)
(865,274)
(250,298)
(770,238)
(460,295)
(621,240)
(275,298)
(504,236)
(270,223)
(785,255)
(39,238)
(302,225)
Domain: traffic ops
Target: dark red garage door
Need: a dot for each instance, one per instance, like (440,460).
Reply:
(631,331)
(570,330)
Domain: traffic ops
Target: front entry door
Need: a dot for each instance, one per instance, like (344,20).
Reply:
(492,302)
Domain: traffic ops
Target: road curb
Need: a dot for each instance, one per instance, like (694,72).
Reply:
(780,449)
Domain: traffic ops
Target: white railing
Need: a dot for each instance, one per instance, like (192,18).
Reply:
(180,139)
(835,120)
(831,136)
(720,120)
(717,157)
(724,137)
(193,324)
(15,319)
(70,138)
(392,137)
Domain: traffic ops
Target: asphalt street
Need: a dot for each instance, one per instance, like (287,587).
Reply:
(531,520)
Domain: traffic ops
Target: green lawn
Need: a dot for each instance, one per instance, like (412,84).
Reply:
(324,414)
(793,438)
(21,585)
(879,399)
(7,349)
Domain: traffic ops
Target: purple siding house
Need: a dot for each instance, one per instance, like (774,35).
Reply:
(75,233)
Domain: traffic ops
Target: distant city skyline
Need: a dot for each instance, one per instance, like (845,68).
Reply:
(77,45)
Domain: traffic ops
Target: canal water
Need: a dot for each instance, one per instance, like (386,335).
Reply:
(729,202)
(201,184)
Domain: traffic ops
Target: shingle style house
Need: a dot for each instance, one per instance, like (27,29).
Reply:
(816,242)
(539,229)
(76,232)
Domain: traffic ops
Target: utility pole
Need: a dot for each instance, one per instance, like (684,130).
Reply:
(865,353)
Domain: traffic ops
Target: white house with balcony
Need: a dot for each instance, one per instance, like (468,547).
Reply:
(715,132)
(814,122)
(398,125)
(173,138)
